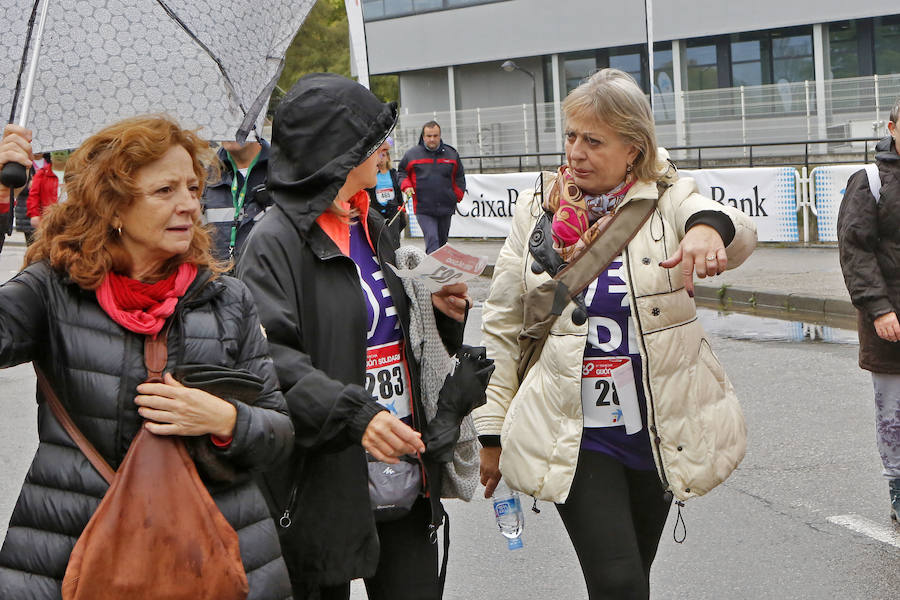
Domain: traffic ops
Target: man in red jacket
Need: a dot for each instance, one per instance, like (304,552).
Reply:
(44,191)
(433,175)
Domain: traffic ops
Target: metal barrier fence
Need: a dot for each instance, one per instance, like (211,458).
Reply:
(852,110)
(795,153)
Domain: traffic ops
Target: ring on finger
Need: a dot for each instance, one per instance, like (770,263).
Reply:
(711,257)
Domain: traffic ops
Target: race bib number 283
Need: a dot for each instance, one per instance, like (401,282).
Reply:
(386,378)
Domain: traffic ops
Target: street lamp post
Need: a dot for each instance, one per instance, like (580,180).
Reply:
(510,66)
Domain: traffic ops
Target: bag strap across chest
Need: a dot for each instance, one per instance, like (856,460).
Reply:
(155,358)
(543,304)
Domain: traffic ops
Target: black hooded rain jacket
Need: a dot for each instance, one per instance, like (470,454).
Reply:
(312,306)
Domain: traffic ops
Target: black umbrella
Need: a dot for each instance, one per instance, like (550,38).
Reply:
(462,392)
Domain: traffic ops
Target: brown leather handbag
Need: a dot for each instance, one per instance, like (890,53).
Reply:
(157,533)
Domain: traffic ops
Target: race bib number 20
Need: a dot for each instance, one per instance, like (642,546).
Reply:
(608,394)
(386,378)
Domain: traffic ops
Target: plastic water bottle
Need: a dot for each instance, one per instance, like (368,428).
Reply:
(509,515)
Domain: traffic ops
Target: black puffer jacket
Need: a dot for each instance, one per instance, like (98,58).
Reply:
(312,305)
(869,241)
(94,365)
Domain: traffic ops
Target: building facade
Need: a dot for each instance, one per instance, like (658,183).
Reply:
(766,58)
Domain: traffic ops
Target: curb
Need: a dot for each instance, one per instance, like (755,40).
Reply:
(745,299)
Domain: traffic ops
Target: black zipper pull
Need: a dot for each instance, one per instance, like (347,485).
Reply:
(679,520)
(285,520)
(534,507)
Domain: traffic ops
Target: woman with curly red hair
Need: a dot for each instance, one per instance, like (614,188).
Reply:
(124,257)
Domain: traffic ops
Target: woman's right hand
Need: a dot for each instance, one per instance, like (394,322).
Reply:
(887,327)
(386,438)
(15,146)
(490,469)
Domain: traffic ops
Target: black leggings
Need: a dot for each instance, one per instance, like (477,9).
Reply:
(614,516)
(408,562)
(407,565)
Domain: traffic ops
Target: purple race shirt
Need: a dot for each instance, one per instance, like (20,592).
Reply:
(612,343)
(387,378)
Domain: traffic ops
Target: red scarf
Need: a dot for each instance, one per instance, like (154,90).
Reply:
(144,307)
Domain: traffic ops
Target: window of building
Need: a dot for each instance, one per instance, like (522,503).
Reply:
(663,79)
(456,3)
(887,45)
(663,83)
(792,62)
(374,10)
(427,5)
(702,67)
(792,57)
(749,61)
(843,49)
(577,67)
(629,61)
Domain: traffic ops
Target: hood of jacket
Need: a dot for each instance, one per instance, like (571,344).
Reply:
(324,127)
(886,150)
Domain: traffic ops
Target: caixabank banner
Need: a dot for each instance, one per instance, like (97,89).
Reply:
(487,207)
(829,184)
(768,195)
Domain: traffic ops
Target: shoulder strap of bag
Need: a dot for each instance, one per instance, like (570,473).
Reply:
(71,428)
(545,303)
(874,181)
(156,354)
(155,357)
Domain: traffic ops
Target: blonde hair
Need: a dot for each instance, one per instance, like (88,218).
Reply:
(614,98)
(387,160)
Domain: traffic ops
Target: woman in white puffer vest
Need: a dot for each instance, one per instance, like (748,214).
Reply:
(612,456)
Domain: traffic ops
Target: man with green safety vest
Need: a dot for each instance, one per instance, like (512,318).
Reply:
(239,199)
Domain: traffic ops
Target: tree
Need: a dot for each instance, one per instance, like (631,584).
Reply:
(323,46)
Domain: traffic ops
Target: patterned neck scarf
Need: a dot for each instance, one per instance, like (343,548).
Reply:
(577,216)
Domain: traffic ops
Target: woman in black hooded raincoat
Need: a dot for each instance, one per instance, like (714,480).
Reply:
(317,305)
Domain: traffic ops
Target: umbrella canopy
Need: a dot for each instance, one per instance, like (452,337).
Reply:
(212,64)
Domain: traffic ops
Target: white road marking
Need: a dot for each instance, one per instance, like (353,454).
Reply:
(876,531)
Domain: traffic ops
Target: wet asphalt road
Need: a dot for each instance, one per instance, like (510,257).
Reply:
(765,533)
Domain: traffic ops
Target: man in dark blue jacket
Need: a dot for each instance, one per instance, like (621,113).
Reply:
(239,199)
(433,175)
